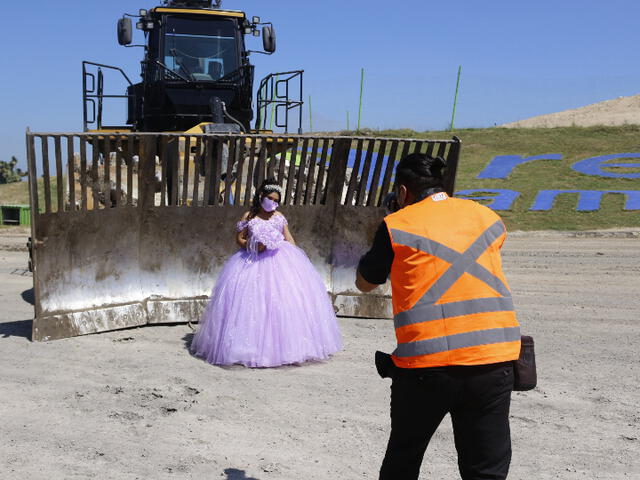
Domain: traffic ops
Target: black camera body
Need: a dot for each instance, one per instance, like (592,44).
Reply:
(390,202)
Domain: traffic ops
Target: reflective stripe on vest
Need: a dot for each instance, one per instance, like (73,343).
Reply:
(426,309)
(460,340)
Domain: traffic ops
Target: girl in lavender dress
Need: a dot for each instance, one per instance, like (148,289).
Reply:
(269,306)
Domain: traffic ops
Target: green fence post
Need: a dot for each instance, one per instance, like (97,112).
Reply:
(361,90)
(455,98)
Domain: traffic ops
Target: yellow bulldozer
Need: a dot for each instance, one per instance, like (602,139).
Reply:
(131,223)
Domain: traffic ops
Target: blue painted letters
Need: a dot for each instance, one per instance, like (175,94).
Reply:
(595,165)
(588,200)
(502,200)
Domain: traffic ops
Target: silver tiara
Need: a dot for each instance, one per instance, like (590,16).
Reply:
(273,188)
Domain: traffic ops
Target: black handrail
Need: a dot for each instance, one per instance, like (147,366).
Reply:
(89,95)
(268,96)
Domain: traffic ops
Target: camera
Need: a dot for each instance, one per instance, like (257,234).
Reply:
(390,202)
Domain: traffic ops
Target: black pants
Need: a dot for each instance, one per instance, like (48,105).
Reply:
(478,399)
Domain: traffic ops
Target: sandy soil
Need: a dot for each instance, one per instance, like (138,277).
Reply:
(134,404)
(619,111)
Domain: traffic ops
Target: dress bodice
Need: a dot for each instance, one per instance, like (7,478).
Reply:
(268,232)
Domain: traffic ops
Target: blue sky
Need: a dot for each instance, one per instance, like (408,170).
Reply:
(519,58)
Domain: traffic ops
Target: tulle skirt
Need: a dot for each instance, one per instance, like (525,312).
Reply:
(266,310)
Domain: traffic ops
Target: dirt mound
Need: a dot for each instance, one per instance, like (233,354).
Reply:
(619,111)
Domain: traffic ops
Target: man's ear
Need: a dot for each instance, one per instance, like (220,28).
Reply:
(402,196)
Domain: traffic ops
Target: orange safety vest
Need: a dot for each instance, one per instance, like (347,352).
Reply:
(451,301)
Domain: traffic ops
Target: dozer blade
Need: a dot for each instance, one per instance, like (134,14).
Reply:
(132,229)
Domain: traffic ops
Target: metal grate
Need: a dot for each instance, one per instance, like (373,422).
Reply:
(94,172)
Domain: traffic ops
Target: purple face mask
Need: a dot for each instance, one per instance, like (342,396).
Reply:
(268,204)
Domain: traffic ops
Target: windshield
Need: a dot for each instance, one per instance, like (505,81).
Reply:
(200,50)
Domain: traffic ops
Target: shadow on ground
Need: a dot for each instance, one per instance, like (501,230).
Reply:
(187,339)
(235,474)
(21,328)
(28,296)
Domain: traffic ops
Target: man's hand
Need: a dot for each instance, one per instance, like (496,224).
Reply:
(362,284)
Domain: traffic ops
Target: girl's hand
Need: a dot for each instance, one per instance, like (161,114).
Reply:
(261,247)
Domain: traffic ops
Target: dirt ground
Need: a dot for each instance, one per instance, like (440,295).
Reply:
(617,111)
(133,404)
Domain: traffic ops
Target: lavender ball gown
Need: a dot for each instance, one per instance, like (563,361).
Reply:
(267,309)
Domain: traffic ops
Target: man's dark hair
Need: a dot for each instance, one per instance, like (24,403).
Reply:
(419,172)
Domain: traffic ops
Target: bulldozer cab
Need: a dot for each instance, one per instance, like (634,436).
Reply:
(192,57)
(200,50)
(196,70)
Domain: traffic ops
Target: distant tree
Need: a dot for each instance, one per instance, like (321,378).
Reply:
(9,173)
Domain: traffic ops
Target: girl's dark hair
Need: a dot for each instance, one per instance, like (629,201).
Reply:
(420,172)
(257,197)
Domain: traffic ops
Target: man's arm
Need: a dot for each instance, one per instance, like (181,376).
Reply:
(363,285)
(375,265)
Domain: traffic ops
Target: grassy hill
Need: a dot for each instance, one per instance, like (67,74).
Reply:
(18,193)
(14,194)
(480,146)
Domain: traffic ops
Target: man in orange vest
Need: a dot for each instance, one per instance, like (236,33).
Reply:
(454,320)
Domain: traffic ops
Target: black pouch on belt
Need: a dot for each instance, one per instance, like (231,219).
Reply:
(384,364)
(524,369)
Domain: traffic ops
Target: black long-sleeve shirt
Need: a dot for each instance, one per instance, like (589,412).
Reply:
(375,265)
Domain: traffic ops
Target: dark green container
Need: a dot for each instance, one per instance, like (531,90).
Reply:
(15,215)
